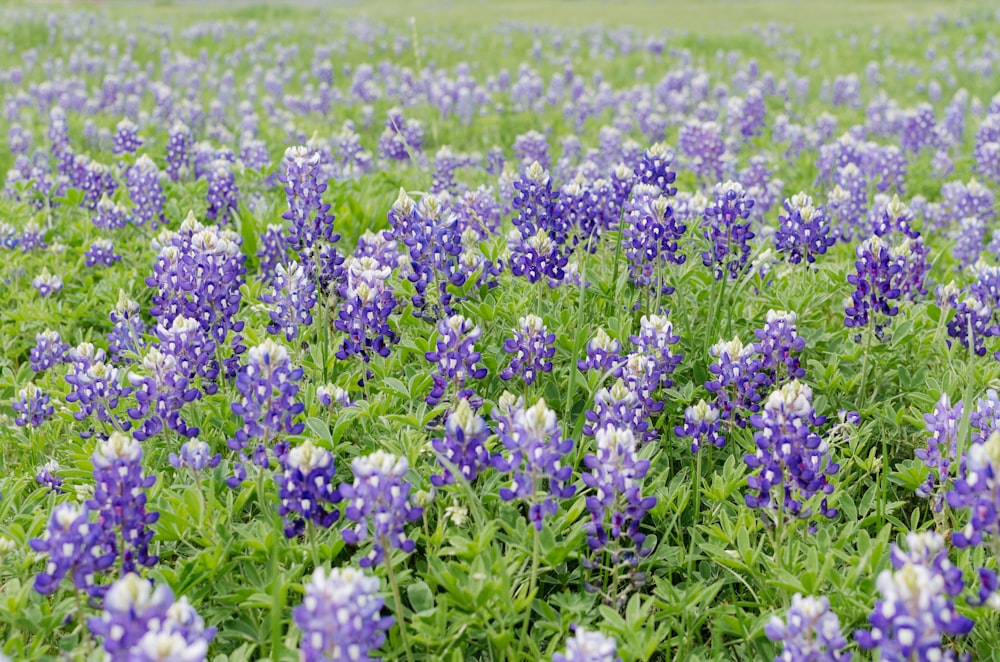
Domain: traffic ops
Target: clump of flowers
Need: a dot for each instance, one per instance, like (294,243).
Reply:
(536,452)
(378,502)
(803,233)
(792,462)
(32,407)
(101,252)
(463,445)
(49,351)
(587,646)
(916,609)
(702,424)
(810,631)
(456,358)
(77,547)
(46,283)
(306,488)
(340,616)
(876,288)
(533,348)
(727,229)
(143,622)
(292,298)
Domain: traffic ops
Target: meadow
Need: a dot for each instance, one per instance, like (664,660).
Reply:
(500,331)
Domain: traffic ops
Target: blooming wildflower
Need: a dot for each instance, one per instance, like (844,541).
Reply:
(145,192)
(109,215)
(144,623)
(291,300)
(617,406)
(587,646)
(804,232)
(223,194)
(102,252)
(977,489)
(876,283)
(126,140)
(328,394)
(533,347)
(810,632)
(368,301)
(536,451)
(195,455)
(456,358)
(96,385)
(310,224)
(603,353)
(790,457)
(340,616)
(779,345)
(47,477)
(126,334)
(463,445)
(379,496)
(178,151)
(738,379)
(306,488)
(120,498)
(617,505)
(46,283)
(942,447)
(650,237)
(76,547)
(725,232)
(49,351)
(701,424)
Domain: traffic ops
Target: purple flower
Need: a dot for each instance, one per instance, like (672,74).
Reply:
(328,394)
(803,232)
(739,379)
(379,496)
(402,139)
(790,457)
(536,452)
(916,608)
(273,251)
(702,424)
(942,447)
(145,192)
(223,194)
(77,547)
(109,215)
(603,353)
(810,632)
(49,351)
(616,407)
(292,298)
(779,345)
(533,348)
(587,646)
(102,252)
(143,623)
(126,140)
(46,283)
(120,498)
(310,224)
(876,284)
(48,478)
(267,388)
(456,358)
(178,151)
(727,235)
(196,455)
(463,445)
(368,301)
(306,488)
(340,616)
(977,489)
(650,237)
(96,386)
(126,334)
(32,406)
(617,505)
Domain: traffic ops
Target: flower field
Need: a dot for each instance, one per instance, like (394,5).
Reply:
(502,332)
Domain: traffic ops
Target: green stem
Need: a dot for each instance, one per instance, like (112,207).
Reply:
(864,366)
(533,578)
(399,606)
(697,510)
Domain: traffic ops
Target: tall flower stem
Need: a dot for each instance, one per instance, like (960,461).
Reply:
(864,365)
(532,579)
(697,509)
(399,605)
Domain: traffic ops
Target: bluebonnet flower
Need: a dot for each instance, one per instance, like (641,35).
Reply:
(653,169)
(727,230)
(223,194)
(272,252)
(532,147)
(702,424)
(340,616)
(533,347)
(178,151)
(603,353)
(876,284)
(942,448)
(536,451)
(587,646)
(462,446)
(790,457)
(49,351)
(47,283)
(779,345)
(738,380)
(402,139)
(77,547)
(195,455)
(977,489)
(327,394)
(310,224)
(267,388)
(655,338)
(916,609)
(810,632)
(306,489)
(894,225)
(96,386)
(126,140)
(703,147)
(33,238)
(193,351)
(290,301)
(143,623)
(120,498)
(102,252)
(109,215)
(803,233)
(650,237)
(367,302)
(456,358)
(48,478)
(536,257)
(161,391)
(379,496)
(32,406)
(126,334)
(145,192)
(617,406)
(617,505)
